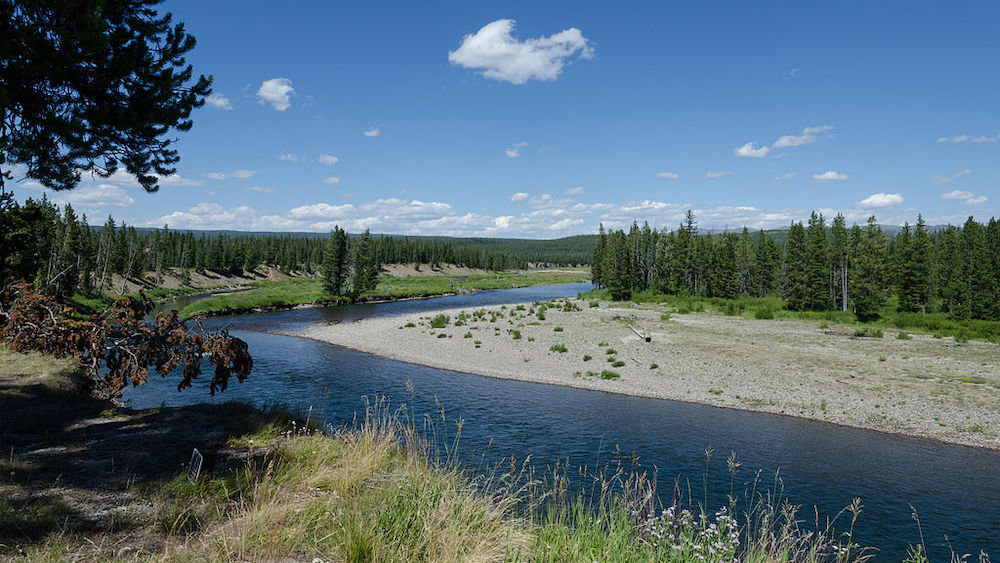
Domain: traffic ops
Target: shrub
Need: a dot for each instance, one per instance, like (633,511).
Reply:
(617,364)
(664,316)
(608,374)
(515,334)
(557,329)
(587,358)
(610,351)
(442,335)
(903,336)
(531,339)
(468,334)
(561,348)
(653,365)
(602,343)
(594,304)
(440,321)
(763,313)
(409,325)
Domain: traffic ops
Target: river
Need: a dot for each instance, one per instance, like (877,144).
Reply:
(955,490)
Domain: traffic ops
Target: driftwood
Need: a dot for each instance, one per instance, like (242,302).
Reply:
(641,333)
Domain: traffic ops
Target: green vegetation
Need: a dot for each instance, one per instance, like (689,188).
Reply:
(617,364)
(608,374)
(587,358)
(515,334)
(309,290)
(440,321)
(951,274)
(561,348)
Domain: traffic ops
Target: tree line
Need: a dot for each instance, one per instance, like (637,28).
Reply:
(61,254)
(820,267)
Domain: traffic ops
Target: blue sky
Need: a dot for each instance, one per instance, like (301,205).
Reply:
(531,120)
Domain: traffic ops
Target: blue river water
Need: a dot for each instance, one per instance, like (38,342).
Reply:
(955,490)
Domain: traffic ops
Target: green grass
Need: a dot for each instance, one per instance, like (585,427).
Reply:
(300,291)
(561,348)
(772,306)
(440,321)
(608,374)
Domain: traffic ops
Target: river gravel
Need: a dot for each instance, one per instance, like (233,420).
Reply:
(923,386)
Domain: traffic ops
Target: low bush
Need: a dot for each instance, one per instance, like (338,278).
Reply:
(561,348)
(440,321)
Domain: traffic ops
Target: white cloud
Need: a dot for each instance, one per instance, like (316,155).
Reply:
(749,151)
(793,141)
(493,51)
(956,194)
(976,200)
(331,180)
(219,101)
(668,175)
(242,174)
(502,222)
(964,138)
(292,157)
(785,176)
(564,224)
(513,152)
(277,92)
(829,176)
(373,132)
(519,196)
(321,211)
(94,196)
(717,173)
(817,129)
(952,178)
(881,200)
(260,189)
(328,159)
(578,190)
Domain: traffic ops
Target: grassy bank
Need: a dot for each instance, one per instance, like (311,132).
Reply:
(377,491)
(773,307)
(301,291)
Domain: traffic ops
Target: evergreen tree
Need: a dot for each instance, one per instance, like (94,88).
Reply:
(597,262)
(766,265)
(914,285)
(335,262)
(745,261)
(724,282)
(794,272)
(839,245)
(817,267)
(617,267)
(869,271)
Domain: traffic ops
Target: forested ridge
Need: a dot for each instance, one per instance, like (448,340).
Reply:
(820,267)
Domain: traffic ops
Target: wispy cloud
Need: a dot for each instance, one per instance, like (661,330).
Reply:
(328,159)
(668,175)
(289,157)
(717,173)
(578,190)
(277,92)
(373,132)
(260,189)
(830,176)
(970,138)
(785,176)
(968,198)
(952,178)
(240,174)
(497,55)
(519,196)
(331,180)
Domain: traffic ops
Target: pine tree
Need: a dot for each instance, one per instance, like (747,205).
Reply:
(724,281)
(839,279)
(914,287)
(817,266)
(766,264)
(745,260)
(335,262)
(869,271)
(597,262)
(794,272)
(617,266)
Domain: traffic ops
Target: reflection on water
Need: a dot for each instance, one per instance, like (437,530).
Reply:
(955,489)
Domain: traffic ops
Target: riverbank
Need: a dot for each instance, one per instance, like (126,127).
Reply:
(299,292)
(906,384)
(83,480)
